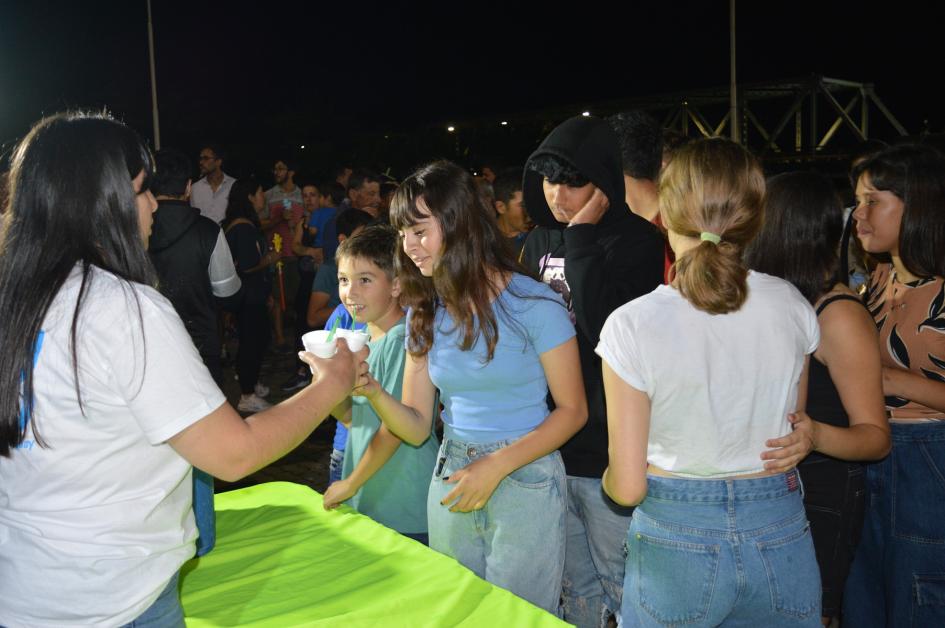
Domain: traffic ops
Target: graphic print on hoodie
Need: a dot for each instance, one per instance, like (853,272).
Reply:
(596,268)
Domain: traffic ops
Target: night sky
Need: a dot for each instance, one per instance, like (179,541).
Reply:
(276,74)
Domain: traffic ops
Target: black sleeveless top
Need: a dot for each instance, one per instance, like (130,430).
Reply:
(823,400)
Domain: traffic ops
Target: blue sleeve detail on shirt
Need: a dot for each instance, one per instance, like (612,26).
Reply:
(26,409)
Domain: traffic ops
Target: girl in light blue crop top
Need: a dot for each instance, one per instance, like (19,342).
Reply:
(494,342)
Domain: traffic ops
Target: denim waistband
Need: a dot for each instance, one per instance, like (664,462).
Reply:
(918,431)
(453,447)
(723,490)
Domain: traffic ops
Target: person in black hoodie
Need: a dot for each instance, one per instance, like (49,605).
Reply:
(598,255)
(194,268)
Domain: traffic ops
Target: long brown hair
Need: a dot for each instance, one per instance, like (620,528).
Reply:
(716,186)
(474,252)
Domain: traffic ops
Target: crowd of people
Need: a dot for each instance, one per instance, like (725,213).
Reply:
(628,379)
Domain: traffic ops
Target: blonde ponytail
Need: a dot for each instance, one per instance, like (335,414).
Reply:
(713,190)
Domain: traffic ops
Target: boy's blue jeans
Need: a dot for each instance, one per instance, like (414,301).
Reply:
(898,573)
(516,541)
(721,553)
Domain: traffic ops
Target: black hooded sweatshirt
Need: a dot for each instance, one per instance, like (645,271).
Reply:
(604,265)
(180,246)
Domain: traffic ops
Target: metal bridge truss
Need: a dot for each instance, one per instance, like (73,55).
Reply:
(818,109)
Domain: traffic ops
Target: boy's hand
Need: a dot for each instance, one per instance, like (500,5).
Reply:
(369,389)
(593,209)
(475,484)
(337,493)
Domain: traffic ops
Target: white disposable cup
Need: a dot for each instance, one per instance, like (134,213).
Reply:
(317,342)
(356,338)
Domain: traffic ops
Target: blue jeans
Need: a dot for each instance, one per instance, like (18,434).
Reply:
(516,541)
(165,612)
(721,553)
(594,559)
(204,514)
(898,573)
(335,464)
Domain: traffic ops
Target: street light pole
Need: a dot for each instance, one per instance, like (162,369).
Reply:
(733,105)
(154,105)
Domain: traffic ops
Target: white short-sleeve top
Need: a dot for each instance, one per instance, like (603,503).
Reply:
(719,385)
(94,525)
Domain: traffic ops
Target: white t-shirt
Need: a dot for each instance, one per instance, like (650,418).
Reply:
(719,385)
(211,204)
(93,526)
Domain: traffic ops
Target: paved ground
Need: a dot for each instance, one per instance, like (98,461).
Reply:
(308,463)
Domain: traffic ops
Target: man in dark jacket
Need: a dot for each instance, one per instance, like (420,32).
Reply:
(598,255)
(194,268)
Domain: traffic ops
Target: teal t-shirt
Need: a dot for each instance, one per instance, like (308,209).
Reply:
(396,495)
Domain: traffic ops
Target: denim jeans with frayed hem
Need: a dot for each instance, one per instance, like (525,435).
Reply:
(721,553)
(898,574)
(165,612)
(516,541)
(594,559)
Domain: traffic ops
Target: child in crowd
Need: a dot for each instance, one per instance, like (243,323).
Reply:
(330,196)
(382,479)
(695,383)
(493,341)
(309,255)
(322,304)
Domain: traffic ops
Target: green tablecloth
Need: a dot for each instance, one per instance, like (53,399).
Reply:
(281,560)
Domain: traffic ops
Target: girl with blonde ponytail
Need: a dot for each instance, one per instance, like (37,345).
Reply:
(701,376)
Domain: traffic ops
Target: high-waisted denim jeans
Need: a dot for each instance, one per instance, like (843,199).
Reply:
(721,553)
(898,574)
(516,541)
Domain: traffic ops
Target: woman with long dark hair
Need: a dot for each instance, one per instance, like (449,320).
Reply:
(493,341)
(898,574)
(104,401)
(800,242)
(700,377)
(252,260)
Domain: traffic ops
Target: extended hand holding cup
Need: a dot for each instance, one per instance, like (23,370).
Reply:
(356,338)
(320,342)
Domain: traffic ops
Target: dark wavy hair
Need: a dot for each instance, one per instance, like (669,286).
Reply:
(916,175)
(72,205)
(558,170)
(801,234)
(238,204)
(473,251)
(172,173)
(641,143)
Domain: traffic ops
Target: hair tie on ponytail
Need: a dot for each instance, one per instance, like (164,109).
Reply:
(707,236)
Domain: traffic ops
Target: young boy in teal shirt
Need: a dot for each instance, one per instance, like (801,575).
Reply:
(382,477)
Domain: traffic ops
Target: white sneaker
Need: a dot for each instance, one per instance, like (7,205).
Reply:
(252,404)
(261,390)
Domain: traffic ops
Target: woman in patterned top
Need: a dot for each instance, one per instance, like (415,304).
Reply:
(898,575)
